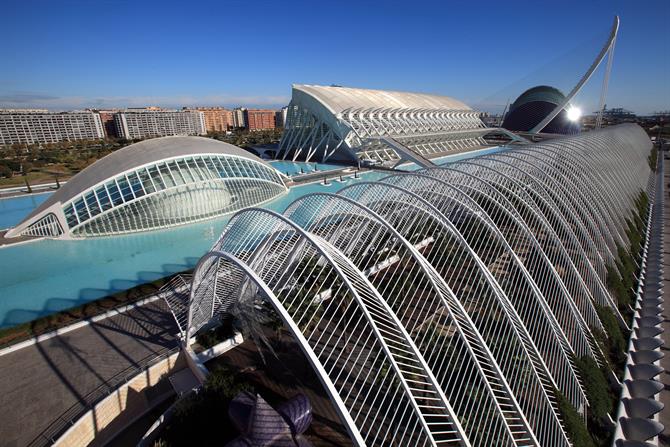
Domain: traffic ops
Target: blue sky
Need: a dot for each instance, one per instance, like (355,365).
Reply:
(114,53)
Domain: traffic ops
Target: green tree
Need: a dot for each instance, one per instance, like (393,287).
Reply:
(5,171)
(573,423)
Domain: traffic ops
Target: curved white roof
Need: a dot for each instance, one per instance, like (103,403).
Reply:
(139,154)
(338,99)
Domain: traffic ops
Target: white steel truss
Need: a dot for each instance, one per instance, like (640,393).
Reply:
(428,127)
(444,306)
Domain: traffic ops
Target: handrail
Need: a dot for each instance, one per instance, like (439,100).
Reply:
(69,417)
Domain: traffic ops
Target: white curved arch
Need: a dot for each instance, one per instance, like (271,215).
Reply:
(525,341)
(295,331)
(609,44)
(463,323)
(473,184)
(386,329)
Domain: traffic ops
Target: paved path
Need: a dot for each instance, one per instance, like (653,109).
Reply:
(41,382)
(665,361)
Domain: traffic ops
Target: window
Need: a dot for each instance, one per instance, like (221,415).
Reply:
(144,177)
(114,193)
(92,203)
(176,173)
(165,172)
(70,216)
(157,178)
(80,207)
(125,189)
(135,184)
(103,198)
(185,171)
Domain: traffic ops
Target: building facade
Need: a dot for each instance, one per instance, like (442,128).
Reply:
(107,119)
(41,126)
(149,123)
(375,126)
(239,118)
(157,183)
(217,119)
(280,117)
(259,119)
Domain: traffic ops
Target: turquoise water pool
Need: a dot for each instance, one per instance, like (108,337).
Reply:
(14,209)
(447,159)
(292,168)
(42,277)
(45,276)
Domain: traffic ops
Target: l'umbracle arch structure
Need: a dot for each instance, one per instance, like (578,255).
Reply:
(447,306)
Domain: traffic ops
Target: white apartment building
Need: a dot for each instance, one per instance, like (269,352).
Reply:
(238,117)
(280,117)
(41,126)
(147,123)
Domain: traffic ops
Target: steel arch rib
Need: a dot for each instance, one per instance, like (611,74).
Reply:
(599,200)
(597,290)
(523,225)
(295,331)
(533,290)
(345,269)
(525,341)
(584,236)
(564,299)
(439,287)
(603,297)
(581,213)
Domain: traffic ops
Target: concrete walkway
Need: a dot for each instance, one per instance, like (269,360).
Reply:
(42,382)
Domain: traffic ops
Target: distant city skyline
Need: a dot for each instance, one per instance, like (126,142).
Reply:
(118,53)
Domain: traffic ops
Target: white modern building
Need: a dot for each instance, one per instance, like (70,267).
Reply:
(445,306)
(148,123)
(340,123)
(157,183)
(42,126)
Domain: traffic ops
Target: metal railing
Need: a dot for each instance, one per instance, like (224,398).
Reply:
(69,417)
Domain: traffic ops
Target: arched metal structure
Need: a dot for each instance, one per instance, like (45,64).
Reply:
(608,48)
(356,124)
(156,183)
(444,306)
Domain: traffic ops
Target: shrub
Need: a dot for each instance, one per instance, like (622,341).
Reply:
(653,156)
(5,171)
(612,342)
(596,387)
(617,287)
(573,423)
(215,336)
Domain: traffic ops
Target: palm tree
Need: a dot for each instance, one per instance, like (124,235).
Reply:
(25,168)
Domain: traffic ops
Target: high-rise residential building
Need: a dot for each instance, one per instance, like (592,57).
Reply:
(259,119)
(107,119)
(280,117)
(41,126)
(239,119)
(146,123)
(217,119)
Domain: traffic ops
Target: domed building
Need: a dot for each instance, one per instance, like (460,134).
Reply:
(533,105)
(157,183)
